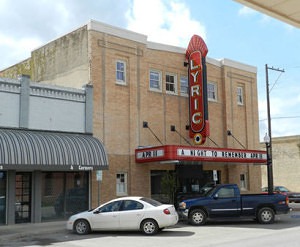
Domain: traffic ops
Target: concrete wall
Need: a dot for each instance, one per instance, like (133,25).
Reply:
(43,107)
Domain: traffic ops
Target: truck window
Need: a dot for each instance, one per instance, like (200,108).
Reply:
(226,192)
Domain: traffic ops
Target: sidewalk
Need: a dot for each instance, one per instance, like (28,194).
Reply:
(8,232)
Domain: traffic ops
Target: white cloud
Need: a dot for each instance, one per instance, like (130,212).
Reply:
(167,22)
(245,11)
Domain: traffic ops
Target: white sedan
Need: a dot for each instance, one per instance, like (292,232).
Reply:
(126,213)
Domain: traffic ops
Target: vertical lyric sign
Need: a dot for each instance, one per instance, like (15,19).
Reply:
(196,54)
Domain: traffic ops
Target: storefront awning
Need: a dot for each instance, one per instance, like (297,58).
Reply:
(39,150)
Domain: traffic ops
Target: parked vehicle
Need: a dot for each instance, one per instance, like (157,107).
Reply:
(225,202)
(293,196)
(126,213)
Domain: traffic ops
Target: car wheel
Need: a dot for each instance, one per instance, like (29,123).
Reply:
(149,227)
(82,227)
(197,217)
(266,216)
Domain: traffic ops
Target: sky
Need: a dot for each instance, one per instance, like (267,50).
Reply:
(230,31)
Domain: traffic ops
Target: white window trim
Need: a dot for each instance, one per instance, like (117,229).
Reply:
(244,183)
(121,82)
(216,91)
(122,193)
(181,92)
(159,82)
(242,95)
(175,84)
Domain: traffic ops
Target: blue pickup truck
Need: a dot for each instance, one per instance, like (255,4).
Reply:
(224,201)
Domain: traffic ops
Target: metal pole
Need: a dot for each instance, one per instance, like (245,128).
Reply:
(269,145)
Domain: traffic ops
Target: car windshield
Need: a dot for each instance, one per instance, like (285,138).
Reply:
(211,191)
(151,201)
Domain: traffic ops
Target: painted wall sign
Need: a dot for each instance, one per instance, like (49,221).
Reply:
(195,54)
(186,153)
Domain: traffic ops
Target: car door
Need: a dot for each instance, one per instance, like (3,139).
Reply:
(225,203)
(107,217)
(131,214)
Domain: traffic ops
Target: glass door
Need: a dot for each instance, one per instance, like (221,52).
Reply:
(2,198)
(23,197)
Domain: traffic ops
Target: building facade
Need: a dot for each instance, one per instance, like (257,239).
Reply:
(140,99)
(285,157)
(47,151)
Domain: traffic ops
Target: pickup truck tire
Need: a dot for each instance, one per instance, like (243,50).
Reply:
(197,217)
(266,215)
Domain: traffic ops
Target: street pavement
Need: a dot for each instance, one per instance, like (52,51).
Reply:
(212,234)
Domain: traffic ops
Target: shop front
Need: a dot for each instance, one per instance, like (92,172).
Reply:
(46,175)
(189,178)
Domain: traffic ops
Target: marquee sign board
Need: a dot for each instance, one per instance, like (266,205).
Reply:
(188,153)
(195,54)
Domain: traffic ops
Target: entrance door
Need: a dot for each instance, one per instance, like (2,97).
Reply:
(23,197)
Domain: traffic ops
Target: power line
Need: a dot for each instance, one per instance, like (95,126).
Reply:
(279,118)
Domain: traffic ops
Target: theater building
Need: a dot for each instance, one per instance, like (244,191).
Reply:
(141,111)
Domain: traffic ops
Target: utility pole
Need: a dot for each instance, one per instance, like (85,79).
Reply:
(268,139)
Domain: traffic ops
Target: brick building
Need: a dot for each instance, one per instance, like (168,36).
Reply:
(286,169)
(136,82)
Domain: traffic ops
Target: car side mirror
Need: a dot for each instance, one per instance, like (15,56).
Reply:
(97,211)
(216,196)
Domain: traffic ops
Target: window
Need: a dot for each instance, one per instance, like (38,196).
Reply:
(184,85)
(243,182)
(121,72)
(226,192)
(240,98)
(132,205)
(121,184)
(171,84)
(212,91)
(111,207)
(155,80)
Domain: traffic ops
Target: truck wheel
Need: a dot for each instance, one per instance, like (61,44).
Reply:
(266,216)
(197,217)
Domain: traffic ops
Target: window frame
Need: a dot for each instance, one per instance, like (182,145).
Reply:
(159,81)
(182,92)
(174,92)
(122,184)
(240,95)
(120,81)
(215,91)
(244,181)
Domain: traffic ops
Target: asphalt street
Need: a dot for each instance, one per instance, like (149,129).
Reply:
(284,232)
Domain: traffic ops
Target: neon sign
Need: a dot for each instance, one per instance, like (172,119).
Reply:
(195,54)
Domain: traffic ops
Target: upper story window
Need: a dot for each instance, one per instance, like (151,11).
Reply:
(171,83)
(212,91)
(155,80)
(184,85)
(121,72)
(240,96)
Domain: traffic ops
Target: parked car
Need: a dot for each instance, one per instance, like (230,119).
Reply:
(126,213)
(226,202)
(293,196)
